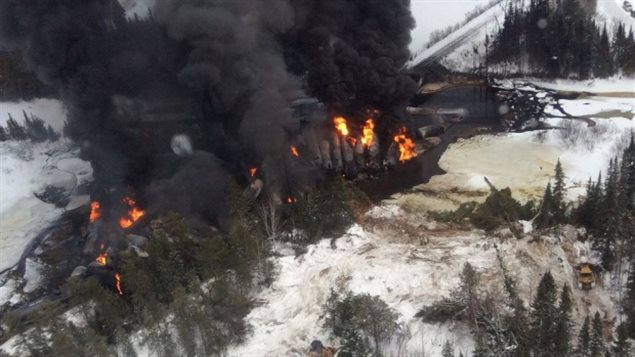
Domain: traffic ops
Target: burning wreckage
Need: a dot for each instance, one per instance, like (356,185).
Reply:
(171,108)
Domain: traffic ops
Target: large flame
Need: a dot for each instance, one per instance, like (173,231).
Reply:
(134,213)
(368,133)
(102,259)
(118,284)
(406,145)
(294,151)
(95,211)
(341,126)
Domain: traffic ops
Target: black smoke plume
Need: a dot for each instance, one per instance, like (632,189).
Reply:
(219,71)
(353,52)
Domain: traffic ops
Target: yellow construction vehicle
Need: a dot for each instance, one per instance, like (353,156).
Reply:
(586,277)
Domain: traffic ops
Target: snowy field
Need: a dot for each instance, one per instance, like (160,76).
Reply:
(610,12)
(407,271)
(431,15)
(26,169)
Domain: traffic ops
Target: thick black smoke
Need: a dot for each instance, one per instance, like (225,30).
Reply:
(221,71)
(354,51)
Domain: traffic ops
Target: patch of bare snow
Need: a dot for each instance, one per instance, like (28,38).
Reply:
(610,12)
(7,291)
(25,169)
(32,275)
(598,85)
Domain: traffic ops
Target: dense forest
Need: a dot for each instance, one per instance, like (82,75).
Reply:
(560,39)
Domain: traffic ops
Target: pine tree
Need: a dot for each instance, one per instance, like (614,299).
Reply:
(622,346)
(35,128)
(51,134)
(596,344)
(629,303)
(629,53)
(544,316)
(564,324)
(610,229)
(448,350)
(559,193)
(584,340)
(544,219)
(3,134)
(518,323)
(15,130)
(619,46)
(604,62)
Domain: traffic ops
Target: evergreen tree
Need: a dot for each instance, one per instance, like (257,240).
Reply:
(596,343)
(518,323)
(620,46)
(544,316)
(15,130)
(544,218)
(35,128)
(627,176)
(3,134)
(448,350)
(610,229)
(584,340)
(622,346)
(629,303)
(564,324)
(51,134)
(629,53)
(559,193)
(604,62)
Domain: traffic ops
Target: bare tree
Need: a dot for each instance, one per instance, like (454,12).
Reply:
(270,214)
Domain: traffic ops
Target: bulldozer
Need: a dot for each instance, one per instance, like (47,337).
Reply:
(586,277)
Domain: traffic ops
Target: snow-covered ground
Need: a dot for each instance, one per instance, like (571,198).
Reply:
(410,262)
(26,169)
(611,13)
(595,86)
(471,33)
(431,15)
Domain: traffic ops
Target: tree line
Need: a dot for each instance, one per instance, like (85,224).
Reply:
(545,329)
(33,129)
(560,39)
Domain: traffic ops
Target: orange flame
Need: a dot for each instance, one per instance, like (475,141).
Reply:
(102,259)
(133,214)
(95,211)
(406,145)
(118,284)
(368,133)
(340,125)
(253,171)
(294,151)
(291,199)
